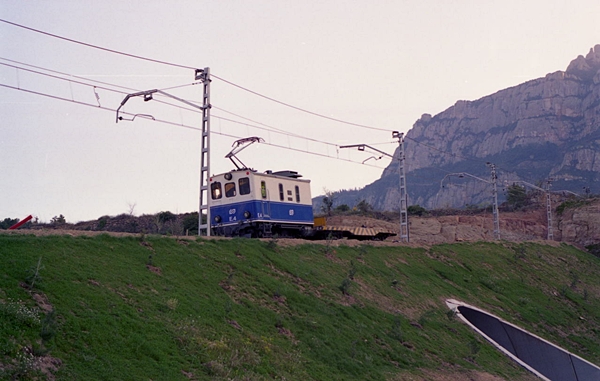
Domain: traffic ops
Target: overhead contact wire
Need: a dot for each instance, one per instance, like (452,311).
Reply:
(297,108)
(192,68)
(267,128)
(179,124)
(97,47)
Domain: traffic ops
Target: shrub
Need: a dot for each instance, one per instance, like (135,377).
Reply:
(364,207)
(594,249)
(8,222)
(102,221)
(416,210)
(342,208)
(345,286)
(570,204)
(166,216)
(58,220)
(190,223)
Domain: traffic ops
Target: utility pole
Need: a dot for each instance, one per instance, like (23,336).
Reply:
(495,195)
(404,234)
(404,231)
(202,75)
(550,236)
(204,209)
(549,210)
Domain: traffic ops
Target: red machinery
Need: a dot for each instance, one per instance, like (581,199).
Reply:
(21,223)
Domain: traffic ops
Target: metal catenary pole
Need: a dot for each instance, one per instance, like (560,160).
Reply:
(204,209)
(549,211)
(404,230)
(404,235)
(548,203)
(202,75)
(493,181)
(495,195)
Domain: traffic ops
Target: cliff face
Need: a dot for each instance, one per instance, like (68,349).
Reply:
(544,128)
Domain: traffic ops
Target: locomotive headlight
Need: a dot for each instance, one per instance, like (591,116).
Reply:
(217,219)
(247,214)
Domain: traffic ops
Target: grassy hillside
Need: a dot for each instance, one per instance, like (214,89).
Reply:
(159,308)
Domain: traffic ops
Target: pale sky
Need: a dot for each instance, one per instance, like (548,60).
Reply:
(376,63)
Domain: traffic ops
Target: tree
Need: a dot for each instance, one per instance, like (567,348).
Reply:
(190,223)
(416,210)
(516,197)
(364,207)
(166,216)
(58,220)
(8,222)
(327,202)
(131,208)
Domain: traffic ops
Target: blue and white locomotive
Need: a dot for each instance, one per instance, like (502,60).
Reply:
(244,202)
(251,204)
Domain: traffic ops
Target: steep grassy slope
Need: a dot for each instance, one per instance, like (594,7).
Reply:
(139,308)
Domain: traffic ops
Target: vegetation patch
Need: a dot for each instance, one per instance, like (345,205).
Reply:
(572,204)
(91,308)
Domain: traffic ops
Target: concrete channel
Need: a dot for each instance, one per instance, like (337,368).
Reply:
(544,359)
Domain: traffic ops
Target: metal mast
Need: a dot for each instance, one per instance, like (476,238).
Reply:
(404,232)
(495,195)
(404,236)
(549,210)
(204,76)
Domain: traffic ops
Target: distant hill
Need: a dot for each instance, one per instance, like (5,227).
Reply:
(544,128)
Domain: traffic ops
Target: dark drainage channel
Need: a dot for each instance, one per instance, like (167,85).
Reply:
(551,361)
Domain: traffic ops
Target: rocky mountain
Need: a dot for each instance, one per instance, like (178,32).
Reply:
(544,128)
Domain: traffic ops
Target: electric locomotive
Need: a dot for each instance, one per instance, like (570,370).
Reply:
(246,203)
(251,204)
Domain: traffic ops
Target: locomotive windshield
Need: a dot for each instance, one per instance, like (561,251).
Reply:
(229,189)
(244,184)
(215,190)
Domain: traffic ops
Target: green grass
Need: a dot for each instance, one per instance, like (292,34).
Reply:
(251,310)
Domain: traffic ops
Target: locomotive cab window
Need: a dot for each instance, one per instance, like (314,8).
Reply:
(215,190)
(230,190)
(289,193)
(297,193)
(244,184)
(281,192)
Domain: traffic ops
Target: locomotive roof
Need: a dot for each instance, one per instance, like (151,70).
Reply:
(284,173)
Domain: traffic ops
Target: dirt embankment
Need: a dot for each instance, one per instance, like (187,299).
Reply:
(514,226)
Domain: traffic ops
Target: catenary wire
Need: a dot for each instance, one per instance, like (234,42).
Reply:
(193,68)
(230,83)
(298,108)
(97,47)
(267,127)
(273,129)
(84,78)
(181,125)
